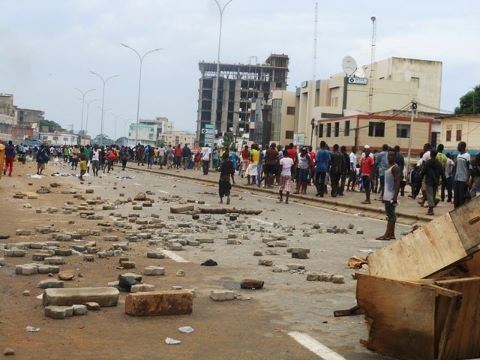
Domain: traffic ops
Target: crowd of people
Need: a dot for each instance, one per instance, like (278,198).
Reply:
(436,176)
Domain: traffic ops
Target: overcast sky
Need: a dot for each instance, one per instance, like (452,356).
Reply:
(49,47)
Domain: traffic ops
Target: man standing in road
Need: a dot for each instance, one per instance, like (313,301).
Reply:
(187,155)
(206,156)
(322,164)
(462,175)
(390,194)
(336,170)
(366,166)
(353,170)
(432,173)
(9,157)
(42,159)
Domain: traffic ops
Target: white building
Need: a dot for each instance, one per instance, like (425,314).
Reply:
(149,130)
(177,137)
(59,138)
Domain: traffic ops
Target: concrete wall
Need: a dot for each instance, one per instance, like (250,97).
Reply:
(282,122)
(470,126)
(420,134)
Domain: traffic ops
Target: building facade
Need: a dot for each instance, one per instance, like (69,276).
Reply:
(17,124)
(456,128)
(149,130)
(374,130)
(396,82)
(59,138)
(282,104)
(238,87)
(177,137)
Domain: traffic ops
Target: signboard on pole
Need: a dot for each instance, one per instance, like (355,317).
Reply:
(299,139)
(209,135)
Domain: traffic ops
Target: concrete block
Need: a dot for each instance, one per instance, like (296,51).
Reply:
(26,269)
(155,254)
(251,284)
(154,271)
(159,303)
(58,312)
(54,260)
(222,295)
(50,283)
(178,209)
(15,253)
(142,288)
(104,296)
(48,269)
(79,309)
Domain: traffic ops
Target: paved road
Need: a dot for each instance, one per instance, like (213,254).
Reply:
(288,305)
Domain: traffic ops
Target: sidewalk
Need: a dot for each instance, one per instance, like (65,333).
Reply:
(408,209)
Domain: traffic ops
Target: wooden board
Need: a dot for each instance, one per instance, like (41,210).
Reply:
(401,316)
(467,222)
(427,250)
(463,338)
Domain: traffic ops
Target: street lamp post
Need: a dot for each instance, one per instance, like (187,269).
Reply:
(104,82)
(221,10)
(84,94)
(140,58)
(88,112)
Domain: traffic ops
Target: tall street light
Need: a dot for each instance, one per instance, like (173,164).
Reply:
(104,82)
(221,10)
(88,112)
(84,94)
(140,58)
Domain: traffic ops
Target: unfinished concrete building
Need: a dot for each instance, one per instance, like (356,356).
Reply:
(239,86)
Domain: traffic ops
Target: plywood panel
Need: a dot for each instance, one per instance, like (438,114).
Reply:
(427,250)
(467,222)
(463,339)
(401,316)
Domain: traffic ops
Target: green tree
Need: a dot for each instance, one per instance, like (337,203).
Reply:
(470,102)
(52,125)
(103,139)
(228,140)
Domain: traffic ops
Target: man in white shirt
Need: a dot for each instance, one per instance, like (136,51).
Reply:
(206,156)
(352,170)
(95,160)
(286,164)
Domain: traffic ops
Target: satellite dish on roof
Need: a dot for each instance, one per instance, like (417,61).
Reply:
(349,65)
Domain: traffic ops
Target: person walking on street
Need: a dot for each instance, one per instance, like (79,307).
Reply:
(271,164)
(9,158)
(245,161)
(432,174)
(352,169)
(286,164)
(227,171)
(345,171)
(42,159)
(95,160)
(393,177)
(206,156)
(187,154)
(400,161)
(336,170)
(366,167)
(303,171)
(448,183)
(462,175)
(322,164)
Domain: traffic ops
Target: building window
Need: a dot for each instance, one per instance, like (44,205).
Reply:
(289,134)
(415,80)
(329,129)
(65,139)
(403,131)
(346,132)
(320,130)
(376,129)
(55,138)
(337,129)
(449,136)
(459,135)
(290,110)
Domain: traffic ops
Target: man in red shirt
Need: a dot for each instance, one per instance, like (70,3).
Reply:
(366,166)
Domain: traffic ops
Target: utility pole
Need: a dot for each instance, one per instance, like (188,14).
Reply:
(412,118)
(84,94)
(372,64)
(213,117)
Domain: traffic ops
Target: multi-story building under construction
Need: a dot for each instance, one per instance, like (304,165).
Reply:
(239,86)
